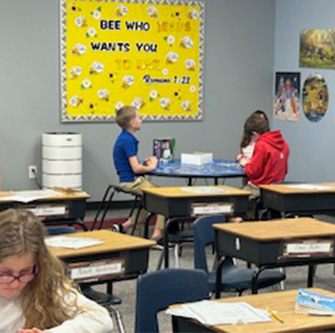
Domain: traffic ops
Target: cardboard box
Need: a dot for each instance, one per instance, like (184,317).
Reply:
(197,158)
(163,149)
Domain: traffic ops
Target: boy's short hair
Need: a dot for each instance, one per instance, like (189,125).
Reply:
(125,115)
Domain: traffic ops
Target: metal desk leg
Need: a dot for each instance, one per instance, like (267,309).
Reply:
(218,278)
(311,272)
(254,280)
(166,242)
(146,226)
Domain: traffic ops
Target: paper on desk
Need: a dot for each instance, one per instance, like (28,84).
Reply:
(310,187)
(203,189)
(72,242)
(28,196)
(219,313)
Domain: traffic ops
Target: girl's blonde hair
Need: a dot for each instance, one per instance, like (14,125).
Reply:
(42,299)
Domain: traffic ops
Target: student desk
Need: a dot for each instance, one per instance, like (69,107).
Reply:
(215,170)
(281,301)
(290,199)
(280,243)
(119,257)
(67,208)
(177,203)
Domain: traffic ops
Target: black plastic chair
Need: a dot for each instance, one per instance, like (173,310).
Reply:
(160,289)
(180,234)
(233,277)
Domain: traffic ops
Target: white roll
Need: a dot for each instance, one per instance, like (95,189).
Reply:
(61,153)
(73,181)
(62,167)
(61,139)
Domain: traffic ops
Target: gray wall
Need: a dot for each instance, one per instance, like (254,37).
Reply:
(238,79)
(312,151)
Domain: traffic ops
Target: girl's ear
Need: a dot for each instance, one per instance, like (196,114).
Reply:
(255,135)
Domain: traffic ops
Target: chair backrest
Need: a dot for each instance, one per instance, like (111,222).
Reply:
(58,230)
(157,290)
(203,236)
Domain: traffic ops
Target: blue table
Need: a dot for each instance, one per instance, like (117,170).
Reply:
(215,170)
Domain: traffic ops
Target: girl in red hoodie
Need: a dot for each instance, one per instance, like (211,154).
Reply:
(269,161)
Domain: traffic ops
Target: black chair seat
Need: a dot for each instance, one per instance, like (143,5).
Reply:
(239,278)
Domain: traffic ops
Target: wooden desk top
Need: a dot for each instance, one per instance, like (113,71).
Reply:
(284,303)
(294,188)
(196,191)
(64,195)
(279,229)
(113,242)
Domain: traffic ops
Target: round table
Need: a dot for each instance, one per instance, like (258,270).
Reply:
(215,170)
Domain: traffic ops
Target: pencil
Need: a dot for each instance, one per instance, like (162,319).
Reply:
(276,316)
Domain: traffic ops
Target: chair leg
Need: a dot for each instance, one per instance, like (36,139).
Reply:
(133,206)
(118,318)
(102,203)
(137,214)
(282,283)
(106,209)
(160,261)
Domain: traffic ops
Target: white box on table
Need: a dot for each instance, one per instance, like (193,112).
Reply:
(197,158)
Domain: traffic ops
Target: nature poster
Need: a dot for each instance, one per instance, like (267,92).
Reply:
(317,48)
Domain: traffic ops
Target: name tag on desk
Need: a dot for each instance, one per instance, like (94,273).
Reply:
(45,211)
(95,270)
(208,208)
(308,248)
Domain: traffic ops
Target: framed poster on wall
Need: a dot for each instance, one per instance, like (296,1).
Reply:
(287,96)
(148,54)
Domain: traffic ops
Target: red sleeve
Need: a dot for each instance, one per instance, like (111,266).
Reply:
(254,169)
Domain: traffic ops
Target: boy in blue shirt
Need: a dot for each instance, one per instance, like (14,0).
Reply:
(129,169)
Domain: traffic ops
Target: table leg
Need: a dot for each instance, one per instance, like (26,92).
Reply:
(311,272)
(146,226)
(166,242)
(254,281)
(116,300)
(218,278)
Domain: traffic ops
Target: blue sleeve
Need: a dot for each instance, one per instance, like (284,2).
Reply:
(130,149)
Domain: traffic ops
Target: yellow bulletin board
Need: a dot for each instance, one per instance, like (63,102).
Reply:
(145,53)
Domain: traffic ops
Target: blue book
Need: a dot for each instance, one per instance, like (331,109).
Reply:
(314,303)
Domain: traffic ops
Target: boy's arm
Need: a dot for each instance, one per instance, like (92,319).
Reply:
(150,164)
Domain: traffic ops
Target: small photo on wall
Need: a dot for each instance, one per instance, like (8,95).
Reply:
(317,48)
(315,97)
(287,96)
